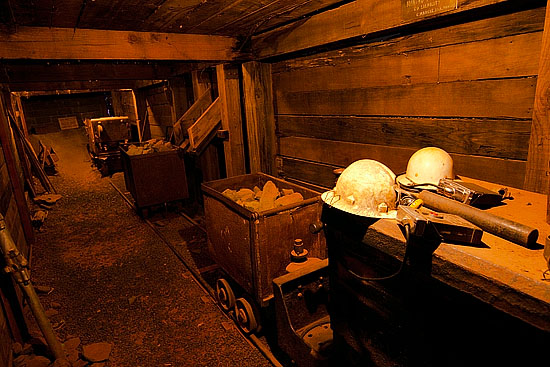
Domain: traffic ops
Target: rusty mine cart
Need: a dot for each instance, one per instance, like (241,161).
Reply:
(254,250)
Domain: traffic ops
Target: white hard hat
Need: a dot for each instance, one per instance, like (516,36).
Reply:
(365,188)
(426,167)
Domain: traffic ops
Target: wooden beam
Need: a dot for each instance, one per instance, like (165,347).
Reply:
(538,159)
(25,73)
(197,109)
(356,19)
(85,44)
(202,129)
(260,119)
(209,159)
(498,138)
(16,184)
(88,85)
(509,98)
(230,99)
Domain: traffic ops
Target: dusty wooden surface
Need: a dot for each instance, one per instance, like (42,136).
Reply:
(501,273)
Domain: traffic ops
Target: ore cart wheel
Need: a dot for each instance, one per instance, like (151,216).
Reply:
(246,320)
(225,295)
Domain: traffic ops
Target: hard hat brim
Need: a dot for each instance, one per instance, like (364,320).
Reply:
(331,199)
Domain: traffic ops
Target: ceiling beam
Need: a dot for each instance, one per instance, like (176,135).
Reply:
(30,72)
(80,72)
(356,19)
(89,85)
(41,43)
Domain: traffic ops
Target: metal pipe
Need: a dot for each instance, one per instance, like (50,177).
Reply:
(17,266)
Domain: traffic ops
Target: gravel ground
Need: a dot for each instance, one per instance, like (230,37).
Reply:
(115,281)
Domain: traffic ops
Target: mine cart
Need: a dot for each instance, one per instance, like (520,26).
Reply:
(254,247)
(154,178)
(105,135)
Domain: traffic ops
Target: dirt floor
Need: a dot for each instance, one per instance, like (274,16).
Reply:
(115,280)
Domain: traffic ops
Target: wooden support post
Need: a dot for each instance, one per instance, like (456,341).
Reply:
(230,99)
(260,117)
(208,159)
(16,184)
(538,159)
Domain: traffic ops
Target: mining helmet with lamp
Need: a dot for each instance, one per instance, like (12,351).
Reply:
(365,188)
(426,167)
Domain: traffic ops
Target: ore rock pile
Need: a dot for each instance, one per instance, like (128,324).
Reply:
(150,146)
(259,200)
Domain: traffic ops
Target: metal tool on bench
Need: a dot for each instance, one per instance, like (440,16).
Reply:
(450,228)
(469,193)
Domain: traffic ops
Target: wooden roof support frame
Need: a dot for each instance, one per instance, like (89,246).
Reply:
(89,44)
(538,159)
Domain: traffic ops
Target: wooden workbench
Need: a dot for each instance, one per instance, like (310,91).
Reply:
(501,273)
(460,305)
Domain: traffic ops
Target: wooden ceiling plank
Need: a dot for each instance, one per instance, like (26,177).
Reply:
(85,44)
(295,13)
(218,15)
(269,6)
(355,19)
(171,14)
(272,14)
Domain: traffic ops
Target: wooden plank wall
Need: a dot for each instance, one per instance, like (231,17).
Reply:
(8,208)
(467,88)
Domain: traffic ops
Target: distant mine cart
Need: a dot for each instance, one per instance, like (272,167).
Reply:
(105,135)
(154,173)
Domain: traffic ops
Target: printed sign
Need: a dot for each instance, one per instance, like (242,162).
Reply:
(415,9)
(68,122)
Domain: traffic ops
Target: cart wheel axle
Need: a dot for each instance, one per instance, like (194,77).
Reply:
(244,313)
(225,295)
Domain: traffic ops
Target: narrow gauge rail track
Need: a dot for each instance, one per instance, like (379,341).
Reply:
(196,274)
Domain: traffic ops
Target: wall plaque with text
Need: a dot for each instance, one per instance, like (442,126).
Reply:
(415,9)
